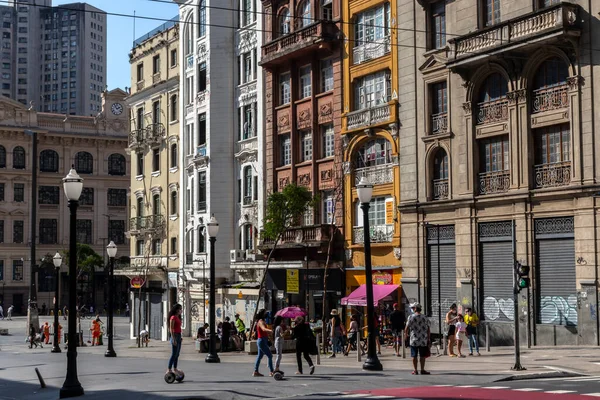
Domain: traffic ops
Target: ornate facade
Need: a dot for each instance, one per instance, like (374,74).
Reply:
(499,151)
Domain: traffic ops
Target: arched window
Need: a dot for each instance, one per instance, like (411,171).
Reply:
(492,105)
(189,36)
(440,175)
(174,204)
(552,72)
(19,158)
(49,161)
(174,115)
(493,88)
(2,157)
(374,152)
(201,18)
(174,155)
(116,164)
(247,185)
(304,14)
(550,90)
(284,22)
(84,163)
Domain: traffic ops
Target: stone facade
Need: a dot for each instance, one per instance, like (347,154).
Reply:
(96,147)
(498,125)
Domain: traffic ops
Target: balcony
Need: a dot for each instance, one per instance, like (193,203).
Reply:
(492,111)
(371,51)
(156,78)
(440,189)
(200,157)
(312,236)
(140,85)
(553,23)
(377,175)
(298,43)
(548,99)
(494,182)
(439,123)
(155,133)
(378,234)
(552,175)
(136,138)
(147,224)
(369,116)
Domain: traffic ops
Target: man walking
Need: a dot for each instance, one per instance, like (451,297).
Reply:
(9,313)
(240,326)
(397,322)
(1,312)
(225,335)
(417,328)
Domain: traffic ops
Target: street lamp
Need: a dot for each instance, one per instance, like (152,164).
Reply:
(365,192)
(111,250)
(212,228)
(57,260)
(73,185)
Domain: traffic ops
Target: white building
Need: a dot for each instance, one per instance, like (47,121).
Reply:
(221,128)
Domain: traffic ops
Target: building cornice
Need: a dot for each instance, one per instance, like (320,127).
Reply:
(161,88)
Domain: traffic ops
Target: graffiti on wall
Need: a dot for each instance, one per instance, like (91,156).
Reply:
(494,309)
(558,310)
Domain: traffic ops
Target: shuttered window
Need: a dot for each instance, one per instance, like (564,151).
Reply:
(442,269)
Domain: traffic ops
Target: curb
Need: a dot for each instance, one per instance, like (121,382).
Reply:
(541,375)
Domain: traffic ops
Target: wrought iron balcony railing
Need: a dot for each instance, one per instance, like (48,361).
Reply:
(136,137)
(146,223)
(301,235)
(440,189)
(439,123)
(494,182)
(369,116)
(155,132)
(552,98)
(377,175)
(553,175)
(371,50)
(492,111)
(378,234)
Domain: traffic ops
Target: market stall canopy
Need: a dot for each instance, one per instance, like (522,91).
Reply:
(359,296)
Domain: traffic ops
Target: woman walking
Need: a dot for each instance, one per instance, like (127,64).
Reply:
(262,334)
(451,318)
(175,329)
(304,341)
(353,335)
(278,335)
(337,331)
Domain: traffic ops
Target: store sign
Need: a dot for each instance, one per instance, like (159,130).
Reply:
(137,282)
(382,278)
(292,281)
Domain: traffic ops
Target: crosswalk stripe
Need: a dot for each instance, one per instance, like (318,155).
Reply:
(527,389)
(591,394)
(583,378)
(560,391)
(441,385)
(349,396)
(496,387)
(382,397)
(468,386)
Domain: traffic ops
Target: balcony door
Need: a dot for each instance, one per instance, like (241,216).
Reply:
(494,166)
(552,156)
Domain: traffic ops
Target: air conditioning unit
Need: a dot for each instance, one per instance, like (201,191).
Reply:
(236,255)
(252,255)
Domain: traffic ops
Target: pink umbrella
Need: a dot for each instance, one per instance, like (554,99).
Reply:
(291,312)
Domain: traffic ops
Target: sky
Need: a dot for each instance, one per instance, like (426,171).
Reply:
(121,33)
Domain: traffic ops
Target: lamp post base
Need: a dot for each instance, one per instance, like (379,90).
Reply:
(56,349)
(71,391)
(212,359)
(110,353)
(372,364)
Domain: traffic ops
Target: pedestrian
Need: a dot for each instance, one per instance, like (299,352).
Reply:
(304,343)
(353,335)
(1,312)
(418,334)
(262,342)
(461,332)
(59,330)
(397,322)
(175,329)
(46,331)
(336,333)
(65,312)
(9,312)
(472,321)
(240,326)
(225,335)
(95,328)
(32,336)
(451,318)
(278,335)
(376,332)
(127,309)
(43,308)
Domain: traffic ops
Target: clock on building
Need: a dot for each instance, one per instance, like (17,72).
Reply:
(117,108)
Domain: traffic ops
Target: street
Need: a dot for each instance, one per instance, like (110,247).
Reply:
(138,373)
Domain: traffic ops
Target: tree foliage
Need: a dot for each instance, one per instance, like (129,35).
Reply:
(285,209)
(87,259)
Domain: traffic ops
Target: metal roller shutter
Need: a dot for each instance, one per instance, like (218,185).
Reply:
(447,276)
(497,279)
(156,316)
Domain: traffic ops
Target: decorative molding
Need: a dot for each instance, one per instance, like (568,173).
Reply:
(397,253)
(304,120)
(202,53)
(516,96)
(346,168)
(394,130)
(283,122)
(575,81)
(327,175)
(283,182)
(466,106)
(304,180)
(326,112)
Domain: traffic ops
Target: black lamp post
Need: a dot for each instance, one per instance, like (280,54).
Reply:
(111,250)
(212,229)
(73,185)
(365,192)
(57,260)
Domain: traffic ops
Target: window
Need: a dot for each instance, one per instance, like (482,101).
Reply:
(494,154)
(493,88)
(308,216)
(247,185)
(84,231)
(189,85)
(139,248)
(140,72)
(328,136)
(18,231)
(284,89)
(201,241)
(173,109)
(327,10)
(246,67)
(326,75)
(17,270)
(173,58)
(247,121)
(116,231)
(248,15)
(1,191)
(284,22)
(491,12)
(156,112)
(140,164)
(377,212)
(304,14)
(327,207)
(173,245)
(304,82)
(174,203)
(116,164)
(156,246)
(48,195)
(438,24)
(117,197)
(553,144)
(155,64)
(553,72)
(548,3)
(374,152)
(439,107)
(372,90)
(19,158)
(87,197)
(202,191)
(201,18)
(140,206)
(140,118)
(202,77)
(1,232)
(84,162)
(440,165)
(49,231)
(155,160)
(156,204)
(49,161)
(372,26)
(2,157)
(306,146)
(174,155)
(285,150)
(202,129)
(19,192)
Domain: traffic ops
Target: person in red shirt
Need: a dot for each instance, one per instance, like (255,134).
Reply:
(46,333)
(175,329)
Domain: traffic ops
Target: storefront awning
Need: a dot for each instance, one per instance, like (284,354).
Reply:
(359,296)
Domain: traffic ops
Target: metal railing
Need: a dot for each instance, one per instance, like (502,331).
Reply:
(369,116)
(440,189)
(149,222)
(494,182)
(378,234)
(492,111)
(377,175)
(439,123)
(553,175)
(550,98)
(371,50)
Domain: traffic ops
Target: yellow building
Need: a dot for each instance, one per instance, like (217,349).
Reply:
(155,170)
(370,137)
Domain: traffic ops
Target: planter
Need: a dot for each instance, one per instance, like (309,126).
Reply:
(250,347)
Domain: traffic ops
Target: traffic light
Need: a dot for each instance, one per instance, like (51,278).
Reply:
(522,275)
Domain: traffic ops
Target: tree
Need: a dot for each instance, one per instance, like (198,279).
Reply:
(283,211)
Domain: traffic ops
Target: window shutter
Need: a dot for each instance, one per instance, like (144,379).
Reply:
(389,211)
(255,188)
(239,191)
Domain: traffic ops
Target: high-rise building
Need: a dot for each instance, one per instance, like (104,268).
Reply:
(53,58)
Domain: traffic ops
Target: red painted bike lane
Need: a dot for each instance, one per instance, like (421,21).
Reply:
(458,393)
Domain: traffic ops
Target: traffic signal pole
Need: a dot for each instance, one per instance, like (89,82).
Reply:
(517,366)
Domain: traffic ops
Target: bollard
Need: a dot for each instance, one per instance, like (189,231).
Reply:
(358,346)
(403,346)
(42,383)
(445,343)
(318,349)
(487,337)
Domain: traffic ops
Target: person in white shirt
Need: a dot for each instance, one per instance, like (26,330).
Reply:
(10,310)
(1,312)
(461,332)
